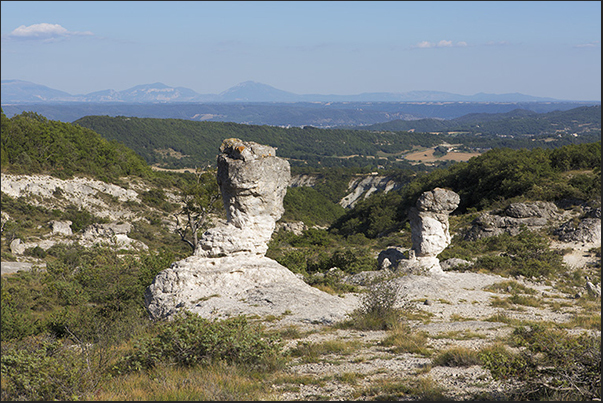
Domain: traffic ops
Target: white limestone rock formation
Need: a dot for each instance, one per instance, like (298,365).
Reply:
(363,186)
(50,192)
(242,284)
(297,228)
(111,234)
(429,221)
(229,274)
(430,233)
(586,230)
(512,220)
(253,182)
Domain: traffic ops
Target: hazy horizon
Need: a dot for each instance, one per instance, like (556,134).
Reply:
(543,49)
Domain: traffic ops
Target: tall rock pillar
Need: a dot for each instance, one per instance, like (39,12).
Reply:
(253,182)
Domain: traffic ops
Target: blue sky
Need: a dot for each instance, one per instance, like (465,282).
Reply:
(539,48)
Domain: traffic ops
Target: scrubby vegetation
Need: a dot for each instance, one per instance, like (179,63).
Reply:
(552,364)
(78,329)
(33,144)
(492,180)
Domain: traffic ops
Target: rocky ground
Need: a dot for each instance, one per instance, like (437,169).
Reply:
(453,309)
(458,307)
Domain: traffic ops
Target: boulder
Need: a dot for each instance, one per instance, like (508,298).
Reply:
(297,228)
(17,247)
(113,234)
(585,230)
(241,284)
(61,227)
(390,257)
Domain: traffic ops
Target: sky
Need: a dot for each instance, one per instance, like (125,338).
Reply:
(539,48)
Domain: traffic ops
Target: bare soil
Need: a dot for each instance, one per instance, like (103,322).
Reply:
(427,156)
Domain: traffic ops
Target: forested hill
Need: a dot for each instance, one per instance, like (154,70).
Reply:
(178,143)
(32,144)
(585,119)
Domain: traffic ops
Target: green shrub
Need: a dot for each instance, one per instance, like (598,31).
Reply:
(294,260)
(17,321)
(310,206)
(527,254)
(80,218)
(402,339)
(312,237)
(156,198)
(377,309)
(41,368)
(35,252)
(503,363)
(551,365)
(190,340)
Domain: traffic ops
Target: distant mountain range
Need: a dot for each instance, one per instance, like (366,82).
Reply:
(19,92)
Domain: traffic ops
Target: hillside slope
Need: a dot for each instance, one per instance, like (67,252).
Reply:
(74,322)
(580,121)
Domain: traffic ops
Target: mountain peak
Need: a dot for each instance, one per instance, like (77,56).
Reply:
(252,91)
(19,91)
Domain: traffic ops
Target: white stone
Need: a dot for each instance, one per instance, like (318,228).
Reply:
(61,227)
(241,284)
(228,274)
(430,233)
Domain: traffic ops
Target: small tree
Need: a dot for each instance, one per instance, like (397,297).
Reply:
(200,199)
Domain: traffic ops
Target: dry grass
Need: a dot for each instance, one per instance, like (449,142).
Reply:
(213,383)
(401,339)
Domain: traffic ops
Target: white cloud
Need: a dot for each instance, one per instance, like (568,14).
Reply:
(45,32)
(500,43)
(441,44)
(594,44)
(424,45)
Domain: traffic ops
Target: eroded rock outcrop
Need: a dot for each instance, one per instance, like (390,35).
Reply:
(585,230)
(90,194)
(253,183)
(429,221)
(430,234)
(228,274)
(512,220)
(111,234)
(362,187)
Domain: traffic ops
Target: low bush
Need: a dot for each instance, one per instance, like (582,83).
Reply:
(190,340)
(46,369)
(457,357)
(402,339)
(551,365)
(377,309)
(527,254)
